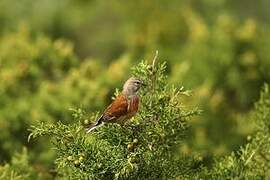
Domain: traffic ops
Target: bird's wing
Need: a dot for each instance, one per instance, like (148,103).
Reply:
(118,108)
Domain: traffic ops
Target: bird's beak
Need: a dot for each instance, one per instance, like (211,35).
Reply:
(143,84)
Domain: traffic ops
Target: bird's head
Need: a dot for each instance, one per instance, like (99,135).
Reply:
(132,86)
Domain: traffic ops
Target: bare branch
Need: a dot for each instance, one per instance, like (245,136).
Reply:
(154,60)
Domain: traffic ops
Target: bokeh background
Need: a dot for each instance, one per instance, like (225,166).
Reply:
(57,55)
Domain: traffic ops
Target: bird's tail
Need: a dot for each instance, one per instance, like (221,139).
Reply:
(94,125)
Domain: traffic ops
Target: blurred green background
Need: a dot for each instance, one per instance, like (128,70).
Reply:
(56,55)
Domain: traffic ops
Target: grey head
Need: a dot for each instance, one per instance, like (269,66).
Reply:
(132,86)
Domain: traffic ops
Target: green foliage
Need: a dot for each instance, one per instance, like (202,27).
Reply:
(142,148)
(40,81)
(252,161)
(226,65)
(19,168)
(27,63)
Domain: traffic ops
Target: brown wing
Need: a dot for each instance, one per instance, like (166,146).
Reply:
(118,108)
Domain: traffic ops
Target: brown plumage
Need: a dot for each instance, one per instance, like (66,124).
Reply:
(125,105)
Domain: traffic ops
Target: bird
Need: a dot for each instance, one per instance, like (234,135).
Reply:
(124,106)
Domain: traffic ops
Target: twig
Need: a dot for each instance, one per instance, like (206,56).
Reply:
(247,161)
(153,71)
(154,60)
